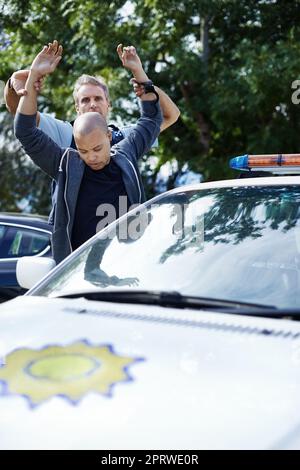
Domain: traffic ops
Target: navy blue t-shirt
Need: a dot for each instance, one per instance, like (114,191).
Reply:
(97,187)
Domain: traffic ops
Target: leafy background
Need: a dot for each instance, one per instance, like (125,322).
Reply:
(228,65)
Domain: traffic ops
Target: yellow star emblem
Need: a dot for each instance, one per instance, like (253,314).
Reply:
(67,371)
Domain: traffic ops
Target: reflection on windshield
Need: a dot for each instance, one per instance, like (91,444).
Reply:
(94,273)
(229,243)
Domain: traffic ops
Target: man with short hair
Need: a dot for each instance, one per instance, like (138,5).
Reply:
(94,175)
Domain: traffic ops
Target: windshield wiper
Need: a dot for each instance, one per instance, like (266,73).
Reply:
(177,300)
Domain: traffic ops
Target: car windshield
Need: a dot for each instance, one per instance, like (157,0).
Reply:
(236,243)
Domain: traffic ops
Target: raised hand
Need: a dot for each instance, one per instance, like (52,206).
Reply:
(18,81)
(138,89)
(129,58)
(47,60)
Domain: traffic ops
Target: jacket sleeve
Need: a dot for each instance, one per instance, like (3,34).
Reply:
(44,152)
(126,130)
(140,140)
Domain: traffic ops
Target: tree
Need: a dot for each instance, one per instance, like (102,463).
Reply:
(228,65)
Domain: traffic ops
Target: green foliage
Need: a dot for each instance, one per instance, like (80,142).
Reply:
(228,65)
(21,181)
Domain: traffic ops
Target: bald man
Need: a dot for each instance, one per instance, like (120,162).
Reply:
(89,130)
(93,178)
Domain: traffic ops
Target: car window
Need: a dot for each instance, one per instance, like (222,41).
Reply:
(17,241)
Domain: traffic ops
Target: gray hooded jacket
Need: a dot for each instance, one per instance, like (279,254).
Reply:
(67,168)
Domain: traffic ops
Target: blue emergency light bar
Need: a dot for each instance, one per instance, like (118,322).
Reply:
(284,164)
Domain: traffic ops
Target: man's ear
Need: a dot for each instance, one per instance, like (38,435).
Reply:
(109,133)
(76,106)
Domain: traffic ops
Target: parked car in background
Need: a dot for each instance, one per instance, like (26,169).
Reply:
(20,235)
(176,327)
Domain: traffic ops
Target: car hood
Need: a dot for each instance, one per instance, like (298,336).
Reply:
(97,375)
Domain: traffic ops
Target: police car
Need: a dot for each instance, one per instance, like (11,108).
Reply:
(20,235)
(176,327)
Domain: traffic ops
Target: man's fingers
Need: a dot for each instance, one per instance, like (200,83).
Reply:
(21,92)
(139,93)
(20,74)
(138,89)
(54,49)
(120,50)
(39,80)
(55,46)
(38,85)
(55,63)
(130,49)
(137,85)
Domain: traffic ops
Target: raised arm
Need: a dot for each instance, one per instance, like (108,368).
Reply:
(44,63)
(131,60)
(59,131)
(139,141)
(43,150)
